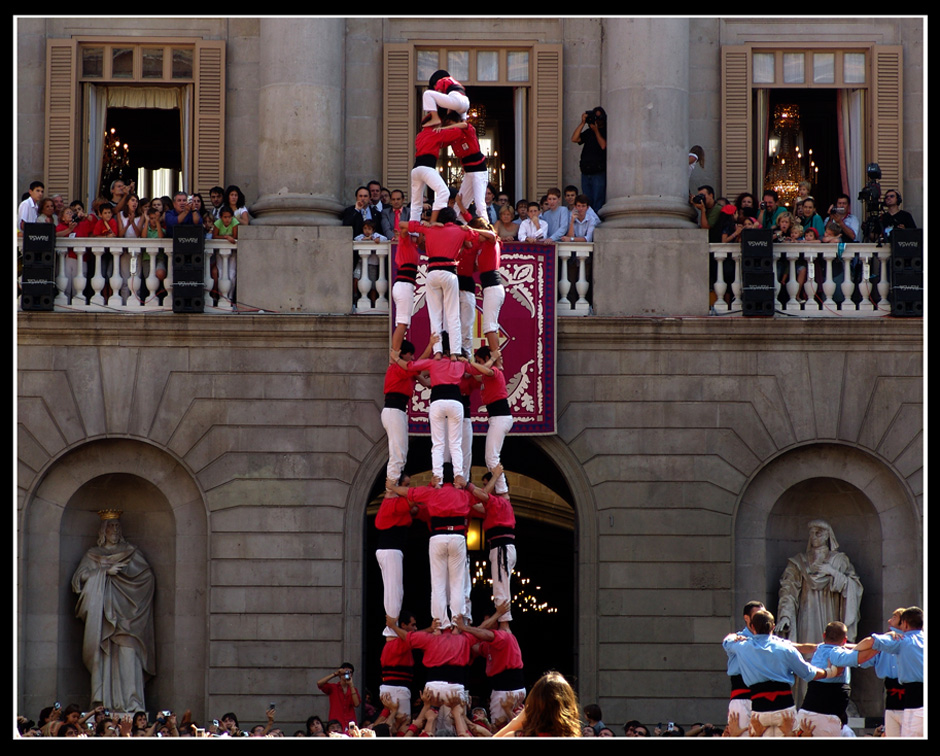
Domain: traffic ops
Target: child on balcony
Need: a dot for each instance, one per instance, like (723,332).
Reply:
(369,233)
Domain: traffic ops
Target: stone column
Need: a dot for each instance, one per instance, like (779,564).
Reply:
(649,257)
(300,145)
(295,256)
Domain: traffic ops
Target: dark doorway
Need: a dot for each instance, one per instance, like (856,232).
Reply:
(818,125)
(544,586)
(152,136)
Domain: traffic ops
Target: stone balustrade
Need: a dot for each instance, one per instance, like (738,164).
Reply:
(119,274)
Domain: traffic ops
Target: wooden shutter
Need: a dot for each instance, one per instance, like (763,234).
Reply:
(545,124)
(62,136)
(736,147)
(399,105)
(887,121)
(209,115)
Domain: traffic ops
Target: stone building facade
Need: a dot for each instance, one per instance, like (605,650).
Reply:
(246,450)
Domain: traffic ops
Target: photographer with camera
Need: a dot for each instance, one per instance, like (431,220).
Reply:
(344,697)
(593,164)
(770,211)
(840,217)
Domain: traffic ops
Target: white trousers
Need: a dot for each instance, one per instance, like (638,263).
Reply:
(400,695)
(466,444)
(395,422)
(499,427)
(443,298)
(446,420)
(447,555)
(473,189)
(403,294)
(432,100)
(422,176)
(824,725)
(893,721)
(496,702)
(468,312)
(502,577)
(493,298)
(391,563)
(912,723)
(772,720)
(741,708)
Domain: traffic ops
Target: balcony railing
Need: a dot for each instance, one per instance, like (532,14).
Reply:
(860,290)
(841,280)
(131,284)
(372,271)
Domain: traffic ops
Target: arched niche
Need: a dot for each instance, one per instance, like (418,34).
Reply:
(873,513)
(164,514)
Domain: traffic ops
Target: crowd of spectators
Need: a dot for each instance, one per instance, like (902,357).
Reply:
(124,214)
(567,216)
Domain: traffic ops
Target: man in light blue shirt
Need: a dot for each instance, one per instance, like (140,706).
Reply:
(769,666)
(824,706)
(581,228)
(557,216)
(886,667)
(909,650)
(740,704)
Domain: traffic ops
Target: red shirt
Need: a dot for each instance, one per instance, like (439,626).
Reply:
(445,501)
(101,228)
(448,648)
(467,259)
(441,371)
(443,241)
(393,513)
(498,513)
(341,703)
(494,386)
(429,142)
(501,653)
(399,380)
(489,255)
(407,253)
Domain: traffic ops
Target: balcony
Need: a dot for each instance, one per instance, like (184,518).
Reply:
(864,294)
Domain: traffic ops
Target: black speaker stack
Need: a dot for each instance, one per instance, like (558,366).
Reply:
(757,273)
(37,282)
(189,269)
(906,294)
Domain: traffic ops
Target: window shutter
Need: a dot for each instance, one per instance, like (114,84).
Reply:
(545,145)
(209,115)
(399,105)
(62,135)
(735,121)
(887,120)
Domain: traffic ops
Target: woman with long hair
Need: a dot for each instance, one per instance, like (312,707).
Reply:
(551,710)
(235,199)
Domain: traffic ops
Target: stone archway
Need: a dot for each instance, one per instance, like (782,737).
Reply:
(165,515)
(365,488)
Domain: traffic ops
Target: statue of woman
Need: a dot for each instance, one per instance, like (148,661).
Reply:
(818,587)
(116,587)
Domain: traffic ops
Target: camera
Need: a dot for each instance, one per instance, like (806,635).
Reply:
(698,199)
(589,117)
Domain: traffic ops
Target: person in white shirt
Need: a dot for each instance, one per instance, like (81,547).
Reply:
(29,207)
(533,229)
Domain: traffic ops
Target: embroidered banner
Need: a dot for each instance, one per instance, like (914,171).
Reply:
(526,340)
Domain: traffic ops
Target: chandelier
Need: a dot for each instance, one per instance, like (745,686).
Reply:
(788,167)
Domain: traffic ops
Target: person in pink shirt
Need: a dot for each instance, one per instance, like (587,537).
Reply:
(496,399)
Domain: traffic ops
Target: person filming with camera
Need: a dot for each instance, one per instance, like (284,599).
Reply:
(839,215)
(593,164)
(344,698)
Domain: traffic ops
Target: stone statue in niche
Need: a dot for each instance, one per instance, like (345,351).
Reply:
(818,586)
(115,588)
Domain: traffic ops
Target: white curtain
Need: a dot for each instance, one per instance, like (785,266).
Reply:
(851,107)
(96,110)
(519,120)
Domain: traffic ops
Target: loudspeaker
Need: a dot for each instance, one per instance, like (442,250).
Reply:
(757,272)
(188,240)
(906,295)
(38,290)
